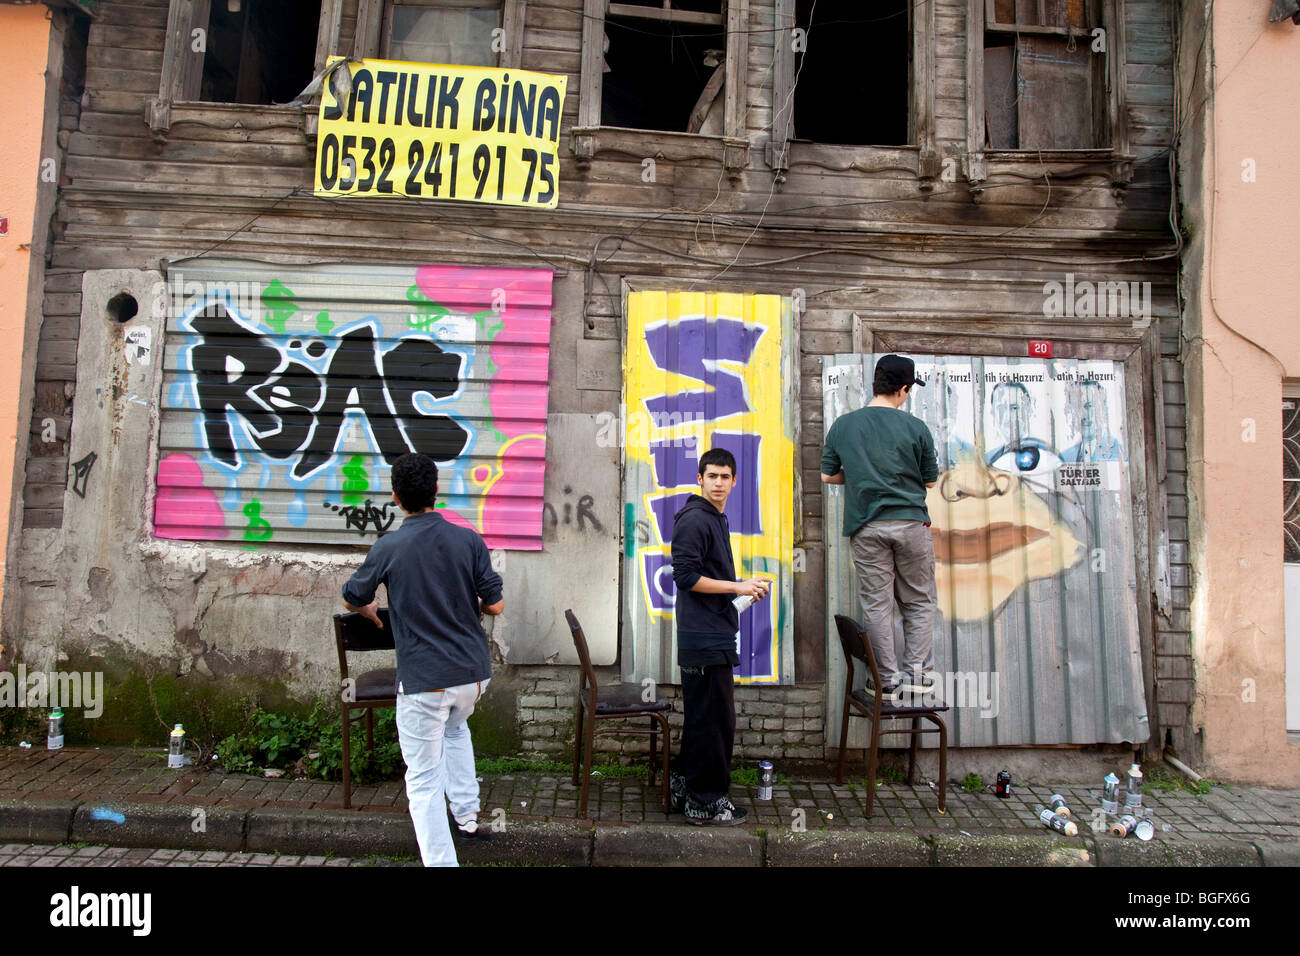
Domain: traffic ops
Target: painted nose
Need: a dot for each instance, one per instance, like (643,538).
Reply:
(974,480)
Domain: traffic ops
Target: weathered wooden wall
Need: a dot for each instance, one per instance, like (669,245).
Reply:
(851,229)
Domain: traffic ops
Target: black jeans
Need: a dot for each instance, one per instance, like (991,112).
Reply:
(708,731)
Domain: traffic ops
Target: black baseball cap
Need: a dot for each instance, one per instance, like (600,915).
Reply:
(898,371)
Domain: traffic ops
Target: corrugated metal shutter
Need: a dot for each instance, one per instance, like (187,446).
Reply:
(704,370)
(1037,639)
(289,390)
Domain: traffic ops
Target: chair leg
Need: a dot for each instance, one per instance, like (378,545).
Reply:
(667,732)
(844,739)
(654,734)
(911,755)
(347,762)
(588,745)
(943,764)
(370,731)
(577,743)
(873,759)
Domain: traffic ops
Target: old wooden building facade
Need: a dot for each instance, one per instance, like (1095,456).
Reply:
(753,195)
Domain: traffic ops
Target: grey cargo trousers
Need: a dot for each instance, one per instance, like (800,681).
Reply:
(895,562)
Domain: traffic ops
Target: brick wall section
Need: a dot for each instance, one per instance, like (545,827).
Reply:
(1173,650)
(771,722)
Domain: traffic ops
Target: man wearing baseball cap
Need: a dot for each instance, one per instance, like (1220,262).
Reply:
(885,458)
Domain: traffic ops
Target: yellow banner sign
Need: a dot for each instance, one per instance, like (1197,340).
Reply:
(425,131)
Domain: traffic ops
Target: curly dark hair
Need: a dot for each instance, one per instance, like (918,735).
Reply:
(415,482)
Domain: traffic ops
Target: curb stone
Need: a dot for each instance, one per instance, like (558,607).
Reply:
(872,848)
(36,821)
(347,833)
(540,844)
(681,845)
(168,825)
(1133,852)
(1002,850)
(1279,852)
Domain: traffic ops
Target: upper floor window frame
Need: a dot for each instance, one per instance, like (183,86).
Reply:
(979,156)
(182,67)
(920,154)
(589,135)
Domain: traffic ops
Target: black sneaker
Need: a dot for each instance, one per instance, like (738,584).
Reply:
(889,692)
(677,793)
(721,813)
(920,685)
(467,829)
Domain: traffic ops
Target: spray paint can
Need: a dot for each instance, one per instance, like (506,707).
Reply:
(54,739)
(1129,824)
(1057,803)
(176,748)
(742,602)
(1133,795)
(1110,794)
(1054,821)
(766,777)
(1003,787)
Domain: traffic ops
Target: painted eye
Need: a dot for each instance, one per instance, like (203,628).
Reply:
(1029,459)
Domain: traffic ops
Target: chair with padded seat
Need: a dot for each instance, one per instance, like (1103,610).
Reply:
(857,647)
(621,701)
(368,690)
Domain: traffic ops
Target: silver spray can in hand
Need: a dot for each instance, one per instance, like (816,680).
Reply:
(766,777)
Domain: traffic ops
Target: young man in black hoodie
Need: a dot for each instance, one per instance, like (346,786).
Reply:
(708,642)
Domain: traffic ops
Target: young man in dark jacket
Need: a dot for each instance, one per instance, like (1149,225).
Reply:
(708,641)
(439,578)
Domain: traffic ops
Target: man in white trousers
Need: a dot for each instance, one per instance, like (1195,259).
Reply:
(439,577)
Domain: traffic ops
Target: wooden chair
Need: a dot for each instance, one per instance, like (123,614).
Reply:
(861,704)
(371,689)
(622,701)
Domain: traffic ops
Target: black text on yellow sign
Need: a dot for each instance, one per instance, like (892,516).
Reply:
(442,132)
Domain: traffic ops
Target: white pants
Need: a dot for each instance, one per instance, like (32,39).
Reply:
(439,764)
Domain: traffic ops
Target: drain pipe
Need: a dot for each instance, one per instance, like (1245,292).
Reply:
(1180,766)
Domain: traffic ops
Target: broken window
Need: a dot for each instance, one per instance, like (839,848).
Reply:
(443,31)
(1045,75)
(664,65)
(853,79)
(258,51)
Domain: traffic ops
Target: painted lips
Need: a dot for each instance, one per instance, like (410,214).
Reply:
(991,535)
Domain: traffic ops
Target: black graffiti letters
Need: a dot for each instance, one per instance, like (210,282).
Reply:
(289,409)
(361,517)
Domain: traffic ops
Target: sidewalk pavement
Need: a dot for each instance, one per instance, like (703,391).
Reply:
(123,797)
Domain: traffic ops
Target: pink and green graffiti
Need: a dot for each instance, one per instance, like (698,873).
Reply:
(284,407)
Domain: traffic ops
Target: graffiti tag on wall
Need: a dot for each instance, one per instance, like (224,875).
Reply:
(290,392)
(703,370)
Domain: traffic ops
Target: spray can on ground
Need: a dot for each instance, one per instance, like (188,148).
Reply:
(766,777)
(54,739)
(1143,829)
(1055,821)
(1057,803)
(1110,794)
(1133,795)
(1003,786)
(176,748)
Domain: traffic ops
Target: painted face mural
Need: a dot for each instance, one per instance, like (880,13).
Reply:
(290,392)
(1032,528)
